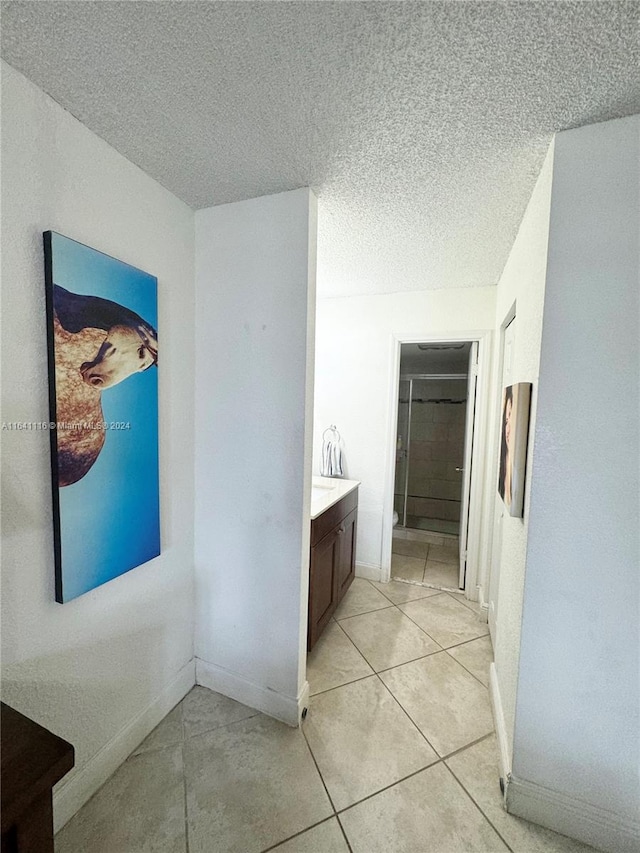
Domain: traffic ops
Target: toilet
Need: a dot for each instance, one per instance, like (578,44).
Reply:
(395,518)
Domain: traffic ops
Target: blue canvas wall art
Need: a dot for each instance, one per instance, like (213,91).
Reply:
(102,320)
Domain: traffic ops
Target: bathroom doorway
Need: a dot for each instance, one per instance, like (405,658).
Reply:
(433,462)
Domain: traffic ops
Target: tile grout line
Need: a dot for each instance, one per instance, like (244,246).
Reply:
(486,686)
(388,787)
(224,725)
(460,749)
(298,834)
(439,649)
(356,648)
(432,654)
(364,612)
(346,683)
(409,717)
(426,557)
(466,642)
(333,814)
(317,766)
(344,833)
(422,629)
(508,846)
(368,662)
(444,648)
(191,737)
(372,585)
(440,760)
(388,668)
(412,660)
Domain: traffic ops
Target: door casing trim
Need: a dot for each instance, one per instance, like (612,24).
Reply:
(476,544)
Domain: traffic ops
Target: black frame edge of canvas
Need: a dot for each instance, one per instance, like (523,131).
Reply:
(53,419)
(526,451)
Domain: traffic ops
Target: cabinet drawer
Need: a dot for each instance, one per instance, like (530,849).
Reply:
(324,524)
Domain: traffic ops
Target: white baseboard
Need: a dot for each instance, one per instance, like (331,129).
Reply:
(500,725)
(368,571)
(491,619)
(288,709)
(484,606)
(72,793)
(576,818)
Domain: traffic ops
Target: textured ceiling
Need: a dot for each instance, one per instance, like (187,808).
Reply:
(421,126)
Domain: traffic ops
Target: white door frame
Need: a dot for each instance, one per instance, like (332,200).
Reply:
(495,523)
(484,339)
(467,462)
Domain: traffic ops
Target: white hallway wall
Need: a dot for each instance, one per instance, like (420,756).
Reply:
(255,284)
(576,755)
(103,669)
(522,283)
(354,388)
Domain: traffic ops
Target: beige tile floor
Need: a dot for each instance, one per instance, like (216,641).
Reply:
(396,755)
(431,563)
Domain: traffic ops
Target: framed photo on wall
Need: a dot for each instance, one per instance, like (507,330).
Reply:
(514,436)
(102,320)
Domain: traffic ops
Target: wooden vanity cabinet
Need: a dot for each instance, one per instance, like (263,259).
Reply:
(332,563)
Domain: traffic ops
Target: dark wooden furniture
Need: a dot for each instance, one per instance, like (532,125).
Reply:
(32,761)
(333,561)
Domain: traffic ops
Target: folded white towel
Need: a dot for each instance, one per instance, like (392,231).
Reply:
(331,458)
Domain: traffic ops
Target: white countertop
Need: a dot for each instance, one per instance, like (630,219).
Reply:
(326,491)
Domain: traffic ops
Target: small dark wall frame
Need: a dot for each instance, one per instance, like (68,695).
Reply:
(102,346)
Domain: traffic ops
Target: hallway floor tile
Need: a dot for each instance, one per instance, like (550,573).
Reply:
(334,660)
(363,741)
(429,811)
(449,706)
(386,638)
(445,619)
(250,785)
(475,656)
(362,598)
(400,761)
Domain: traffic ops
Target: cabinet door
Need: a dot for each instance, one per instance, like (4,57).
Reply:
(323,584)
(347,553)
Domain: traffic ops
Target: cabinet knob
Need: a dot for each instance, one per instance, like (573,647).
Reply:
(341,531)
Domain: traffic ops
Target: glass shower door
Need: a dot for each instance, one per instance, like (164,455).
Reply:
(402,450)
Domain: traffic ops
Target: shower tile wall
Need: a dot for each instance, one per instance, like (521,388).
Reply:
(437,449)
(403,411)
